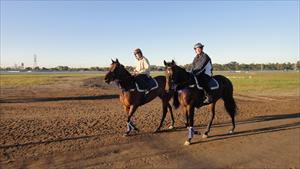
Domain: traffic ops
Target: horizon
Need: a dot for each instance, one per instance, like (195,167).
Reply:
(90,34)
(16,66)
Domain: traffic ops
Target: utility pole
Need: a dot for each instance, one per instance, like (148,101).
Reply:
(34,61)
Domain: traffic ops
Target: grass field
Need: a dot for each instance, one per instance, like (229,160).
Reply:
(266,82)
(39,79)
(275,83)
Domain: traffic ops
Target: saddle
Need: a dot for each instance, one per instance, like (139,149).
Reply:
(213,84)
(145,84)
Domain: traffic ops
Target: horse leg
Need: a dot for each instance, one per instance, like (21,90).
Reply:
(230,107)
(233,124)
(172,116)
(212,116)
(187,118)
(130,125)
(165,110)
(190,125)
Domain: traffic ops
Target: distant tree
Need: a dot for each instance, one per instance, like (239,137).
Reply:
(105,68)
(188,66)
(232,65)
(8,69)
(129,68)
(63,68)
(37,68)
(28,68)
(95,68)
(45,69)
(54,69)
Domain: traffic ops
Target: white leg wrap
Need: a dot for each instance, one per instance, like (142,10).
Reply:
(130,126)
(191,132)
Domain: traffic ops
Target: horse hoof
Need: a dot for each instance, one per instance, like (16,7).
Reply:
(136,130)
(171,127)
(204,136)
(230,132)
(125,135)
(187,143)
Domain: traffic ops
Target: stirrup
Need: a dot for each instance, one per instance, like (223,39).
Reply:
(208,100)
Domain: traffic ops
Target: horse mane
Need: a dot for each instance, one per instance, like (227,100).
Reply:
(182,73)
(125,71)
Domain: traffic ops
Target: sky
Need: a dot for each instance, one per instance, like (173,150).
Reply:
(90,33)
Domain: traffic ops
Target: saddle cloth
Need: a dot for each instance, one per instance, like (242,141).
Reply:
(213,84)
(146,84)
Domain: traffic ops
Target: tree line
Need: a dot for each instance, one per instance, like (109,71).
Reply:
(232,66)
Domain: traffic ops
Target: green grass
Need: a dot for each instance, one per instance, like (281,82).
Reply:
(277,83)
(252,82)
(265,82)
(38,79)
(154,74)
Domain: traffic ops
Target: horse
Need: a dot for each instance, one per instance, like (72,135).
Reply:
(189,96)
(131,98)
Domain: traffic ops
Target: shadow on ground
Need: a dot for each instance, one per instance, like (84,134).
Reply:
(101,97)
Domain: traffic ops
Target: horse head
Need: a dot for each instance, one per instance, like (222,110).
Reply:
(169,72)
(116,72)
(174,74)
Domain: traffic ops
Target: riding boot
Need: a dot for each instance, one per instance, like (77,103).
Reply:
(209,99)
(209,96)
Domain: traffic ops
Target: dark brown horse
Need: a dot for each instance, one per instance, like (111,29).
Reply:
(190,97)
(131,98)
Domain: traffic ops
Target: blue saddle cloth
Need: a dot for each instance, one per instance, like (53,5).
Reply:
(213,83)
(145,83)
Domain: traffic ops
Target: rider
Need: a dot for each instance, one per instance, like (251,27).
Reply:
(202,69)
(142,70)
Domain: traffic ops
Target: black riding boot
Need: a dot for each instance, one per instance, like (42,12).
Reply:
(209,96)
(204,80)
(209,99)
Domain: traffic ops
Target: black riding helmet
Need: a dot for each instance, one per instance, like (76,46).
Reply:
(198,45)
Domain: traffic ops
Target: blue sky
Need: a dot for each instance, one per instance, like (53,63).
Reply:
(90,33)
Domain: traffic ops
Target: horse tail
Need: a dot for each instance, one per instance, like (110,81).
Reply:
(175,100)
(228,99)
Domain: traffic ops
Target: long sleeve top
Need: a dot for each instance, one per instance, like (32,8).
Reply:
(143,66)
(202,64)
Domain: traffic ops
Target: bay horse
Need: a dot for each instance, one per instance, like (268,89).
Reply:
(131,98)
(190,97)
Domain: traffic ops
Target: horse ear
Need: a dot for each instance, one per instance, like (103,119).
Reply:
(173,62)
(117,61)
(165,63)
(112,61)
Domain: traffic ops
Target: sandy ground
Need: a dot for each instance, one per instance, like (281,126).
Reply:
(79,123)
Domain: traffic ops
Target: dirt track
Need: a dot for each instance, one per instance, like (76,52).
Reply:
(76,124)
